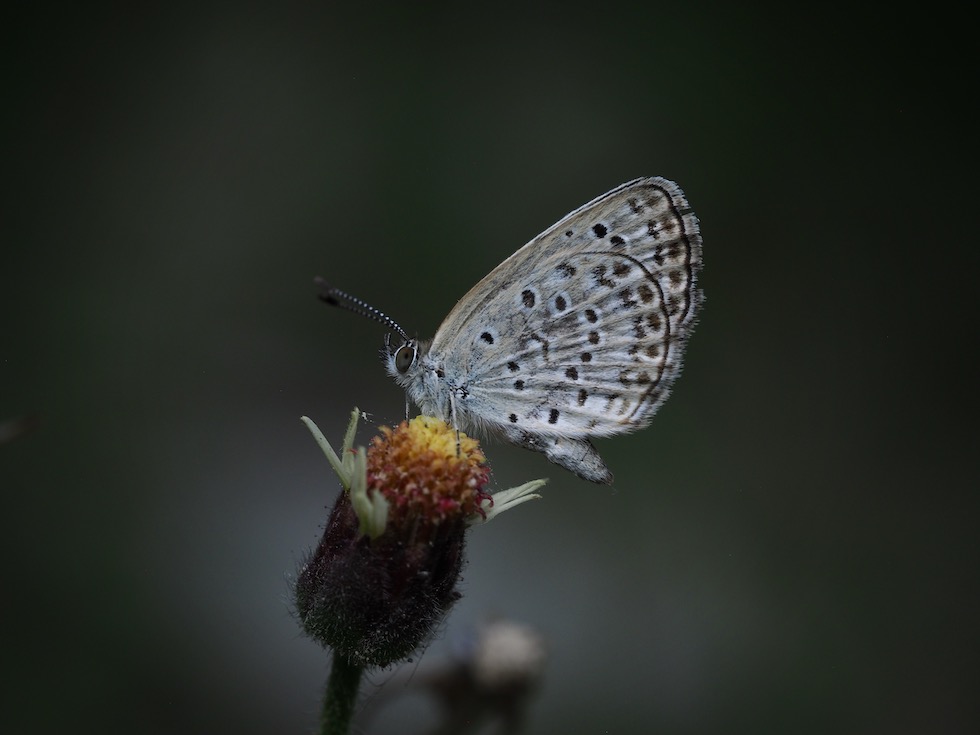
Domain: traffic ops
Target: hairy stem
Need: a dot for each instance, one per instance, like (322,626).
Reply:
(338,704)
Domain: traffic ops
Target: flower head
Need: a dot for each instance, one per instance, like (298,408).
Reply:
(385,571)
(426,473)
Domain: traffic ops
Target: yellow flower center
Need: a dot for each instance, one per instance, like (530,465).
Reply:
(426,476)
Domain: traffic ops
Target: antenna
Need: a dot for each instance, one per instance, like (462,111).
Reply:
(336,297)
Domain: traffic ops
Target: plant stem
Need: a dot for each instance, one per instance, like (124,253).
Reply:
(338,704)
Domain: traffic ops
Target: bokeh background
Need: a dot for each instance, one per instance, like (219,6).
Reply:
(791,546)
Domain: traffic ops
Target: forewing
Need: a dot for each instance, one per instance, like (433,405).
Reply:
(581,332)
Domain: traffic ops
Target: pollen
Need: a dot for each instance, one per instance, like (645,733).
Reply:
(427,475)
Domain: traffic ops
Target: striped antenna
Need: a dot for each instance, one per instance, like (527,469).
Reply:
(336,297)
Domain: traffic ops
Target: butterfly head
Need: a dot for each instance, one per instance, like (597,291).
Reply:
(401,358)
(408,362)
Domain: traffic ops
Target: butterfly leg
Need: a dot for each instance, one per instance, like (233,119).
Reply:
(452,420)
(575,455)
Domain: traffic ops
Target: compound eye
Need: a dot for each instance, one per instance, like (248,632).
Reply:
(404,358)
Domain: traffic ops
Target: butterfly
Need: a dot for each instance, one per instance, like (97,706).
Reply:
(579,334)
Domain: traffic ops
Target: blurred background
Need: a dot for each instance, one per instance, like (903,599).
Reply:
(790,546)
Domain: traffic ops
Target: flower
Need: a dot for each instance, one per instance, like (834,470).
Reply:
(423,471)
(493,677)
(385,571)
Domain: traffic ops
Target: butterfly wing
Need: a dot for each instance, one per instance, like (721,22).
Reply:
(581,332)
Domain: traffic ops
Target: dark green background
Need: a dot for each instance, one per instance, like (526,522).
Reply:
(790,547)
